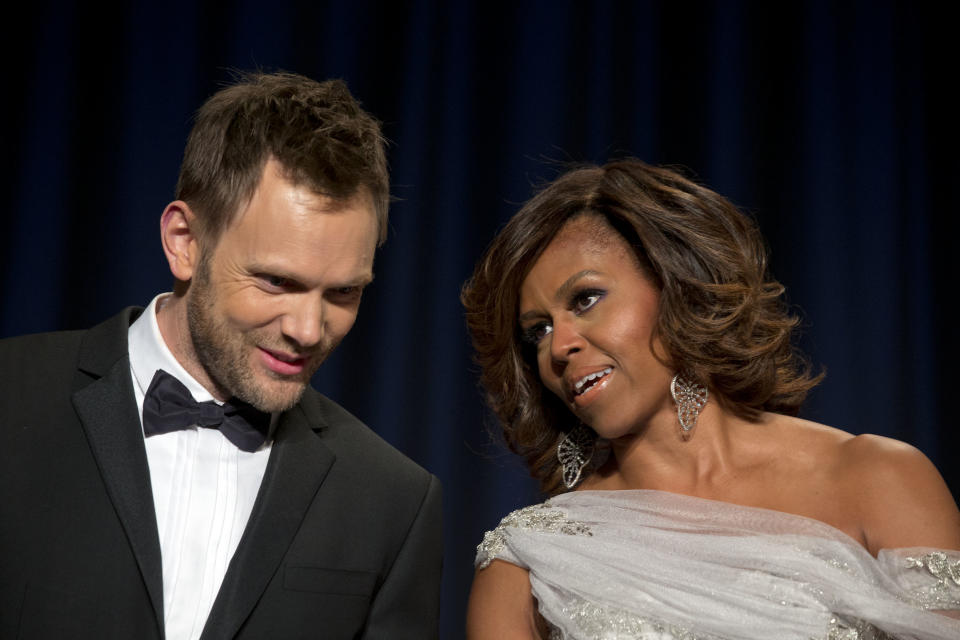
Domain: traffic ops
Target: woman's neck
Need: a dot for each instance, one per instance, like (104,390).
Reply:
(662,457)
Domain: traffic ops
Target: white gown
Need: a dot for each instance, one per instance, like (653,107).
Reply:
(652,565)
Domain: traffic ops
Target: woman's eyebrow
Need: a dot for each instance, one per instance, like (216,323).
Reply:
(563,291)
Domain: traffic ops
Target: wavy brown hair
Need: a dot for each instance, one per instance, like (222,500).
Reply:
(721,316)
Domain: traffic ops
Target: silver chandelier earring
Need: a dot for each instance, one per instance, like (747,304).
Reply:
(574,452)
(690,396)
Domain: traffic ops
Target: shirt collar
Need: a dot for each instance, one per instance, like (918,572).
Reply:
(149,352)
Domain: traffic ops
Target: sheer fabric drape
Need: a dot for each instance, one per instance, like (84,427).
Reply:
(649,564)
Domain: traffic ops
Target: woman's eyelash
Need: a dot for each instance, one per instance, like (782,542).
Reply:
(536,333)
(580,302)
(583,300)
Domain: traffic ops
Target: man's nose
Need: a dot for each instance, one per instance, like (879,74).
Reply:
(303,321)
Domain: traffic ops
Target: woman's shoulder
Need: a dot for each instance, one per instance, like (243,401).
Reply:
(793,430)
(868,464)
(893,491)
(846,452)
(493,545)
(902,498)
(541,517)
(805,451)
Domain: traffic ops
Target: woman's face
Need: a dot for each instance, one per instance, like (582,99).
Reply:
(590,312)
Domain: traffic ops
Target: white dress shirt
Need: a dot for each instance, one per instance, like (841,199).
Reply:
(203,490)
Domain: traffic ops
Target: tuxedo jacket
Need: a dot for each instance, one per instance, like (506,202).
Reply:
(343,541)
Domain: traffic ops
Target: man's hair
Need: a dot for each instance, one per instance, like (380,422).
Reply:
(721,317)
(317,131)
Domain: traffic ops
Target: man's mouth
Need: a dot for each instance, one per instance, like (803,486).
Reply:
(283,363)
(588,381)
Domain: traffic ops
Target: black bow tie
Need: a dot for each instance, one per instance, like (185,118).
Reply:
(168,406)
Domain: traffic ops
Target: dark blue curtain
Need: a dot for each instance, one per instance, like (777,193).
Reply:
(832,123)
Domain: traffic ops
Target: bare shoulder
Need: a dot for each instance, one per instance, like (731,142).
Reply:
(501,605)
(879,457)
(810,447)
(890,467)
(882,492)
(814,432)
(901,498)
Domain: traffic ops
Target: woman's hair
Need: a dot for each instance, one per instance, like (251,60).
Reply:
(721,317)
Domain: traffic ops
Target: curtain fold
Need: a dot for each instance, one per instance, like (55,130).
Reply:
(828,122)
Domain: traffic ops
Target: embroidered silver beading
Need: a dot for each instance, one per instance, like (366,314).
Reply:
(944,590)
(597,622)
(538,517)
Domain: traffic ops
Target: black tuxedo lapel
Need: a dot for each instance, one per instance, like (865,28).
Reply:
(108,412)
(298,464)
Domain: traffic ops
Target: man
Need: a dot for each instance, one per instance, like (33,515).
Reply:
(170,473)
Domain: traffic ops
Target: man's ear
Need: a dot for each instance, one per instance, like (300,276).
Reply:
(181,243)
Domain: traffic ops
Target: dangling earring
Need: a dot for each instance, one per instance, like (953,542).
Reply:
(574,452)
(690,396)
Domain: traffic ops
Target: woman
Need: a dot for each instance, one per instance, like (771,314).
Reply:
(639,358)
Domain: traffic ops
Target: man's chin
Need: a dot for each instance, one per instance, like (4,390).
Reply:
(276,396)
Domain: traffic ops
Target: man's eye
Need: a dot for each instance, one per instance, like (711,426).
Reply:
(277,282)
(536,333)
(346,293)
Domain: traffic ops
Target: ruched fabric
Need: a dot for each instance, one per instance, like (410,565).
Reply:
(655,565)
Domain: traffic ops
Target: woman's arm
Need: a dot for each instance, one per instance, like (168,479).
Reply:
(501,606)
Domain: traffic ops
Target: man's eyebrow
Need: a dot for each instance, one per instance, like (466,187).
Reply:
(274,270)
(280,271)
(563,291)
(360,282)
(363,281)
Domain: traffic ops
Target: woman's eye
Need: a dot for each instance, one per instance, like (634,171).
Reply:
(536,333)
(585,299)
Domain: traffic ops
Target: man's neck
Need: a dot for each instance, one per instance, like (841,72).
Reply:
(175,330)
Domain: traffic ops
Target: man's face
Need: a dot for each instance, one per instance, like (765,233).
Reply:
(279,290)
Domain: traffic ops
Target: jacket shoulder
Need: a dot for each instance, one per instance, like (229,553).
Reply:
(38,357)
(63,360)
(48,343)
(354,441)
(106,341)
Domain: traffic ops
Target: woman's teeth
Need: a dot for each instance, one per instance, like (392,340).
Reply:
(587,381)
